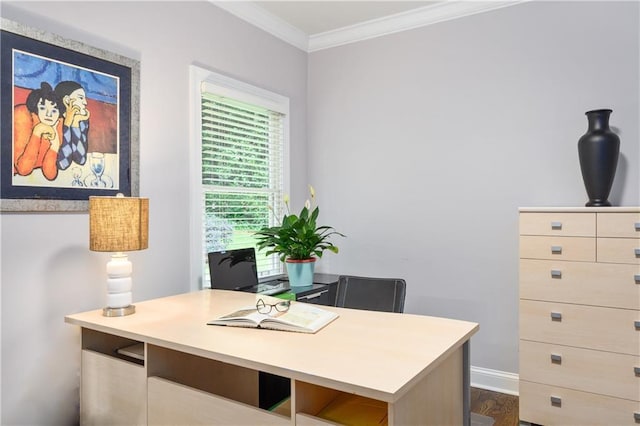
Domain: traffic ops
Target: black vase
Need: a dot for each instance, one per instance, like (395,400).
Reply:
(598,150)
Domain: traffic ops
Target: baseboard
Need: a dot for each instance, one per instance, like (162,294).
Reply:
(494,380)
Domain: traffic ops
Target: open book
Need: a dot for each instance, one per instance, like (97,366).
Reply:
(289,316)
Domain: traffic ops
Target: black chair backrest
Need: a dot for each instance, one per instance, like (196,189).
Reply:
(374,294)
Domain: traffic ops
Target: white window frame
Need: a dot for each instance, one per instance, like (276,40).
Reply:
(224,86)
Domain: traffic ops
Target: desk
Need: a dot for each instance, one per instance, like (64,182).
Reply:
(192,373)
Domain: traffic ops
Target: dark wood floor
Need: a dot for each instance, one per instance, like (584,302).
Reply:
(502,407)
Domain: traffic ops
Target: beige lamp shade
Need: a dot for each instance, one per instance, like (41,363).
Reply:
(118,224)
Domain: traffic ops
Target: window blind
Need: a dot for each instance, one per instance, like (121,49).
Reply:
(242,175)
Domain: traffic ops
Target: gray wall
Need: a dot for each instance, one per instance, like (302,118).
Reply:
(47,268)
(423,144)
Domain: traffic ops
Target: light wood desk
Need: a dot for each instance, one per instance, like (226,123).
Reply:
(416,367)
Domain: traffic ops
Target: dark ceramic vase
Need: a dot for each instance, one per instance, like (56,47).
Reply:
(598,150)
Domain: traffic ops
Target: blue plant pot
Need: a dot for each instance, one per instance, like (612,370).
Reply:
(301,272)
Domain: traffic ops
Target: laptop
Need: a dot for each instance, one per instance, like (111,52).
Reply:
(237,270)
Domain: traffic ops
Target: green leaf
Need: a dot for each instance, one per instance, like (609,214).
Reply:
(297,237)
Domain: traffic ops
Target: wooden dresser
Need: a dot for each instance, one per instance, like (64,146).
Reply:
(580,316)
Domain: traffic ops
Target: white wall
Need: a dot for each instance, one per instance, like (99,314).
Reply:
(423,144)
(47,268)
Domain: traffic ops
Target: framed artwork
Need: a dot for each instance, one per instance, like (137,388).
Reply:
(69,122)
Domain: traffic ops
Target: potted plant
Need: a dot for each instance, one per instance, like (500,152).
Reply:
(297,240)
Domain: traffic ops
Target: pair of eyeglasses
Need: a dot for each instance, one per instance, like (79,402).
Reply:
(265,308)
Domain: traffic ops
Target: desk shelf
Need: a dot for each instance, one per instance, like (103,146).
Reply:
(111,345)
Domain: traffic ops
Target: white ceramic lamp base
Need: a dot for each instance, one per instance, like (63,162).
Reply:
(119,285)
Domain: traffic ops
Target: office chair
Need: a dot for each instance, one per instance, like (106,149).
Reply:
(375,294)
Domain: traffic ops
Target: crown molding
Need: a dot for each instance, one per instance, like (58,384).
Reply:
(259,17)
(420,17)
(416,18)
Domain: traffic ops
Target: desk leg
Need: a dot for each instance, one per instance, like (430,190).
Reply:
(466,384)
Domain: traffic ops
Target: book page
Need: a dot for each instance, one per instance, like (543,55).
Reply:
(242,313)
(303,317)
(245,315)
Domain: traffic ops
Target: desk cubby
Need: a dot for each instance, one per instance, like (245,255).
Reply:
(214,377)
(318,405)
(172,403)
(183,387)
(109,344)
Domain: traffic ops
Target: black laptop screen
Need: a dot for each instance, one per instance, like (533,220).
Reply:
(233,269)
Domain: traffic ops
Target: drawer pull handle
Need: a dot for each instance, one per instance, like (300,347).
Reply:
(556,249)
(637,252)
(313,296)
(556,225)
(557,316)
(555,273)
(636,417)
(636,278)
(556,359)
(556,401)
(636,370)
(637,226)
(636,325)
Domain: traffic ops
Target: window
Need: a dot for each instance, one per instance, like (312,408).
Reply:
(242,134)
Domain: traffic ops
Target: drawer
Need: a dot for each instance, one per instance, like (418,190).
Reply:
(593,327)
(558,248)
(619,225)
(619,250)
(607,373)
(171,403)
(556,406)
(113,391)
(562,224)
(597,284)
(320,297)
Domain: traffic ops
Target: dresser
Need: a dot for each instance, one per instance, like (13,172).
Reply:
(580,316)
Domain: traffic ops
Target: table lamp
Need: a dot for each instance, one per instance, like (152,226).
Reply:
(118,224)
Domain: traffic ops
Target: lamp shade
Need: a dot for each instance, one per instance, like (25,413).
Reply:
(118,223)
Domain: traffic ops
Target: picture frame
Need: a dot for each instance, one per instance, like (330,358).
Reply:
(69,119)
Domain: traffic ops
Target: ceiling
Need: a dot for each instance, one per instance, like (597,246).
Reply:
(315,17)
(317,25)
